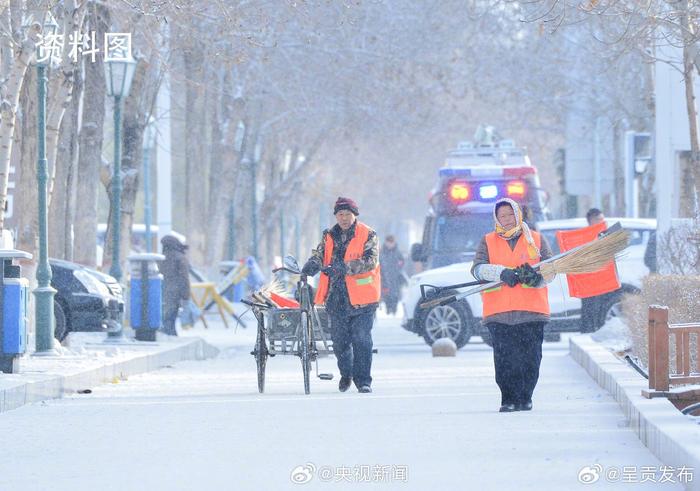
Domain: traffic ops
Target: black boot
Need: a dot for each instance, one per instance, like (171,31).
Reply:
(507,408)
(344,383)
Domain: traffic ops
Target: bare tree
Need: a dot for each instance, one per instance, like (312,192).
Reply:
(90,144)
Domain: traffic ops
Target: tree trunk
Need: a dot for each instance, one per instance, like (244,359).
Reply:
(61,91)
(219,194)
(61,212)
(59,180)
(26,201)
(688,78)
(11,90)
(90,144)
(195,134)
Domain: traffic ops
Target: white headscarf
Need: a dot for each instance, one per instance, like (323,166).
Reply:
(520,226)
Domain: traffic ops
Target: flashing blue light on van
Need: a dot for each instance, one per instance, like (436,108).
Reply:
(488,191)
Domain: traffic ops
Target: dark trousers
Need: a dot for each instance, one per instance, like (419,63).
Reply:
(590,313)
(593,311)
(517,353)
(352,345)
(169,319)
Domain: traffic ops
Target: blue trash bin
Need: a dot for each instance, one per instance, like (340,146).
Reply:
(146,296)
(14,299)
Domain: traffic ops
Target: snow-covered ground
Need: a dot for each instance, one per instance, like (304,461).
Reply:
(614,335)
(431,423)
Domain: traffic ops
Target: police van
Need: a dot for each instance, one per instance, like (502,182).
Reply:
(474,177)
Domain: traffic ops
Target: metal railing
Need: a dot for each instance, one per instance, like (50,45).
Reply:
(660,331)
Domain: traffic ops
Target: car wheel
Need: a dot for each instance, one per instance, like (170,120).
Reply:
(61,322)
(453,321)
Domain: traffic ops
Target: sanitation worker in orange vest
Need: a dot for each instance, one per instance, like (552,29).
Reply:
(516,312)
(350,287)
(592,316)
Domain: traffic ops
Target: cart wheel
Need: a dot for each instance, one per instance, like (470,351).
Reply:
(305,352)
(261,358)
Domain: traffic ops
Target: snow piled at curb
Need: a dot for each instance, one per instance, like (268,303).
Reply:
(614,335)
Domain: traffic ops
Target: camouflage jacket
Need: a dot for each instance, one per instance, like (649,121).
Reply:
(338,300)
(341,239)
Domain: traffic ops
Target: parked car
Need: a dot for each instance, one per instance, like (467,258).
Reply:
(86,299)
(461,320)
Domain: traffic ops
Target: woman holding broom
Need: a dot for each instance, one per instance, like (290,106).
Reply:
(516,312)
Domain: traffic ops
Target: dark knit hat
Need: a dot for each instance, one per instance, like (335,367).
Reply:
(346,204)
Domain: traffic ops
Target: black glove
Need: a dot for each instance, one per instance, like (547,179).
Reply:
(528,275)
(510,277)
(309,269)
(336,269)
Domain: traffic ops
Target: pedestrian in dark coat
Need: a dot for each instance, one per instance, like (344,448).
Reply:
(391,261)
(176,280)
(516,312)
(350,288)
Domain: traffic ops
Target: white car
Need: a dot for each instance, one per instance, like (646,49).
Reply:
(460,320)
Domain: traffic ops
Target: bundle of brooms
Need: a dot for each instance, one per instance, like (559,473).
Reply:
(262,295)
(586,258)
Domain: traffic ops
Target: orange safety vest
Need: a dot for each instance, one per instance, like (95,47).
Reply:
(363,288)
(520,297)
(587,285)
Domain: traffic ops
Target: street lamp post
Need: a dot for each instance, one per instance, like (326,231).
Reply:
(44,293)
(118,75)
(148,145)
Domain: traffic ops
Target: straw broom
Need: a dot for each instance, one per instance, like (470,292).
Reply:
(586,258)
(274,286)
(263,294)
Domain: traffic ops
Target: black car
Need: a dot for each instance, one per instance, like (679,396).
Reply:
(86,299)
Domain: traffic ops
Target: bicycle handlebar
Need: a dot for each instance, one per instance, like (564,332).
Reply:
(255,304)
(285,269)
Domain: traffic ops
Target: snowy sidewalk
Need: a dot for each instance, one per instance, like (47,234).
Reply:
(87,362)
(431,423)
(670,435)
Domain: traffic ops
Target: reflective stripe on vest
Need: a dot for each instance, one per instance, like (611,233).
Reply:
(504,298)
(363,288)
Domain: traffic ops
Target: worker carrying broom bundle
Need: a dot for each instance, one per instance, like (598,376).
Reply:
(516,311)
(512,266)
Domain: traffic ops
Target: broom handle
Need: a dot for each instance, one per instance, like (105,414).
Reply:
(492,284)
(487,286)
